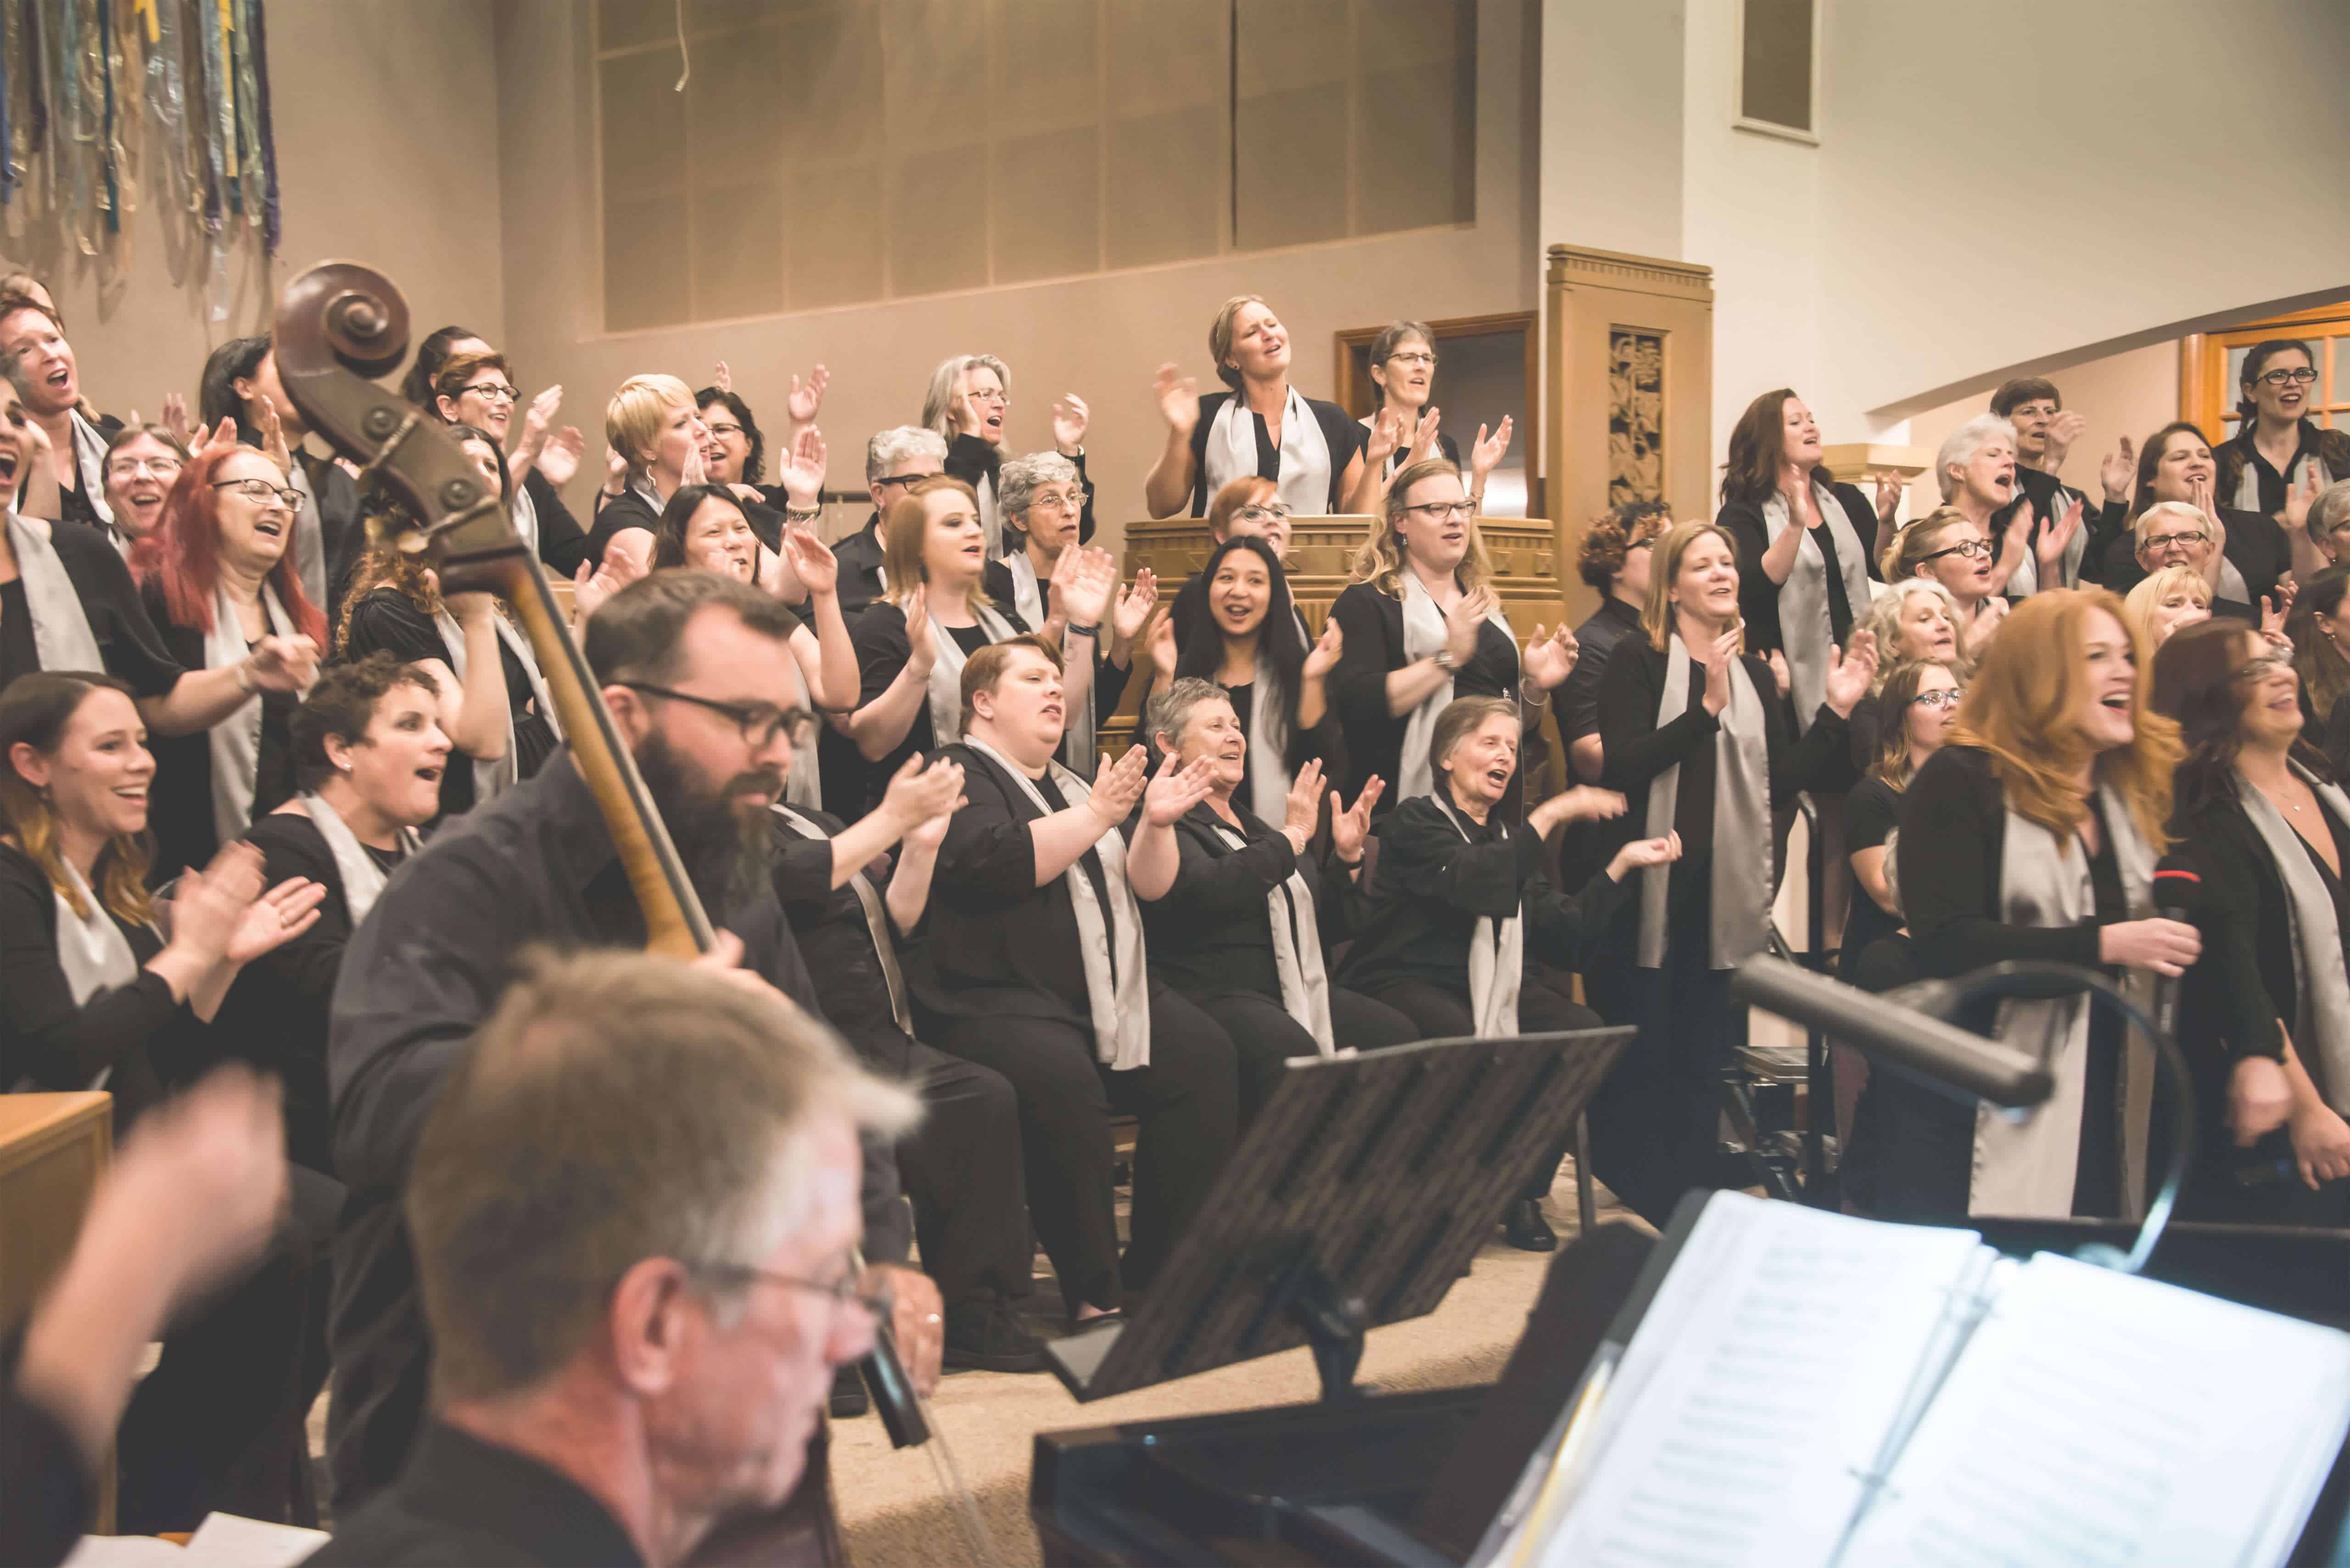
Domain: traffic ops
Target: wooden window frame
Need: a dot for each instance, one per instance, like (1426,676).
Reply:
(2205,398)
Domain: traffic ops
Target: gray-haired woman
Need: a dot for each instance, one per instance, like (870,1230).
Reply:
(969,400)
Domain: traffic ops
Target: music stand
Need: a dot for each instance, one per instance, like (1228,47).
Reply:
(1357,1197)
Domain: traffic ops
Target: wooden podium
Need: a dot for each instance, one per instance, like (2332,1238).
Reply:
(53,1150)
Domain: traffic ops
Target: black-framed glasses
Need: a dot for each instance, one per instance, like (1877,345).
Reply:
(2159,540)
(842,1291)
(1446,511)
(1948,697)
(903,478)
(2302,376)
(722,427)
(1972,549)
(1413,356)
(759,724)
(496,391)
(260,489)
(1256,512)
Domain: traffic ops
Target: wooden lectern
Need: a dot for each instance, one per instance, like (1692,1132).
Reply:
(53,1150)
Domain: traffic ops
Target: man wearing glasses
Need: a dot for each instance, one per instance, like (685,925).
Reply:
(636,1220)
(693,671)
(2278,449)
(893,460)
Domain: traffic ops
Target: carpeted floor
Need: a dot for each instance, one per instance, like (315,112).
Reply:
(891,1501)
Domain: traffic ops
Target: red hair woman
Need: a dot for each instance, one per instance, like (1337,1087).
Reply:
(218,574)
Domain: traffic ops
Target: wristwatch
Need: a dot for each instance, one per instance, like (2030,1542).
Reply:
(1443,659)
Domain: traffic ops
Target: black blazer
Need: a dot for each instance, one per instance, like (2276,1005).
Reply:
(1340,433)
(1758,596)
(1372,624)
(129,646)
(1212,934)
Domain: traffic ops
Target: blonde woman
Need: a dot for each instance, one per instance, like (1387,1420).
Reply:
(657,437)
(1913,619)
(969,407)
(2172,597)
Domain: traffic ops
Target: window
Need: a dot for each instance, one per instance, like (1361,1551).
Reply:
(2212,367)
(1777,54)
(830,153)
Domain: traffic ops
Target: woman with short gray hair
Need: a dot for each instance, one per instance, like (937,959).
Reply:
(967,405)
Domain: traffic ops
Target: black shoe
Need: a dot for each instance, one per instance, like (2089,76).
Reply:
(849,1396)
(1527,1230)
(990,1339)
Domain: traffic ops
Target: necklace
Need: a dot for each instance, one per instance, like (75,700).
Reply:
(2275,798)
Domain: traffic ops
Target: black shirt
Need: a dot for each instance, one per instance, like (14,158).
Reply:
(1758,596)
(127,643)
(46,1491)
(74,503)
(2332,447)
(621,512)
(882,651)
(1578,708)
(1212,934)
(860,558)
(1870,813)
(835,939)
(418,977)
(1432,886)
(562,543)
(1340,433)
(48,1042)
(388,620)
(464,1503)
(179,814)
(1372,625)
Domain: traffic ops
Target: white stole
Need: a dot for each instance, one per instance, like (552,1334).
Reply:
(362,878)
(945,691)
(1304,477)
(89,462)
(236,741)
(2322,1030)
(310,542)
(1497,955)
(876,921)
(1804,630)
(61,633)
(1424,637)
(493,777)
(92,951)
(2026,1168)
(806,784)
(2248,482)
(1296,951)
(524,512)
(1268,743)
(2025,580)
(1118,988)
(1743,871)
(991,517)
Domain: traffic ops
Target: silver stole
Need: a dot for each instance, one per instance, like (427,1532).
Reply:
(1804,631)
(362,878)
(1303,478)
(94,954)
(1424,637)
(877,919)
(2321,1031)
(1743,875)
(1297,952)
(61,633)
(945,690)
(1497,957)
(236,741)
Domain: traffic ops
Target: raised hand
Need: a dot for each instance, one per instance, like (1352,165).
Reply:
(2019,531)
(1070,418)
(272,438)
(1086,587)
(1178,399)
(1349,827)
(616,471)
(1461,622)
(1890,487)
(283,663)
(200,440)
(1172,791)
(209,905)
(275,918)
(812,558)
(1118,785)
(1423,439)
(1583,803)
(2063,431)
(807,397)
(558,460)
(916,794)
(2299,496)
(1717,658)
(722,378)
(2118,472)
(1134,607)
(597,581)
(695,469)
(921,640)
(1851,670)
(1161,646)
(1387,434)
(1781,676)
(802,470)
(2058,539)
(176,420)
(1302,811)
(1486,454)
(1643,852)
(1985,625)
(1322,657)
(1549,660)
(2321,1143)
(535,422)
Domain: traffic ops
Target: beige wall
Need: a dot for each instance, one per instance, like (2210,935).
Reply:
(1099,337)
(387,135)
(2133,394)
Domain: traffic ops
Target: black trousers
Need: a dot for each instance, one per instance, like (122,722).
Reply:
(1264,1036)
(962,1171)
(1187,1100)
(1440,1012)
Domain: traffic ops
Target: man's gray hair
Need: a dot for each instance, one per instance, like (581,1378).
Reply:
(616,1107)
(947,381)
(889,452)
(1018,482)
(2179,511)
(1171,708)
(1958,447)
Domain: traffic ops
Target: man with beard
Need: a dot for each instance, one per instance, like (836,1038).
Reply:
(694,671)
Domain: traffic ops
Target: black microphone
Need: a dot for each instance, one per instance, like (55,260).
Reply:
(2177,890)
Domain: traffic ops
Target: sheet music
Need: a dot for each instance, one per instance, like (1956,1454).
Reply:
(1749,1417)
(2097,1418)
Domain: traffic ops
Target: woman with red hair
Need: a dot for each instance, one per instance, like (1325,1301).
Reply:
(218,574)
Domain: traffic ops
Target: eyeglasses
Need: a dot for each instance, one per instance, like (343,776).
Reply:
(986,395)
(1414,356)
(1275,512)
(2301,377)
(1972,549)
(903,478)
(495,391)
(129,467)
(1946,697)
(1648,544)
(1058,500)
(842,1291)
(759,724)
(722,428)
(1446,511)
(260,489)
(2261,666)
(2159,540)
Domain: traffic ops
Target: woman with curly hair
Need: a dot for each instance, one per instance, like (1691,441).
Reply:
(1613,558)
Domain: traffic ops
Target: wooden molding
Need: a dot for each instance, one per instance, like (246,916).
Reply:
(1854,460)
(1571,265)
